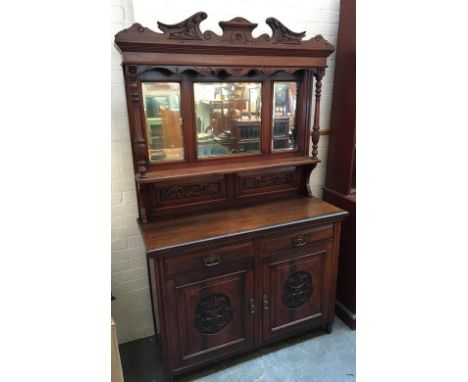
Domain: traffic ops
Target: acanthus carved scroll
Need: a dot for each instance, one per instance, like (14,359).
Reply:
(185,30)
(297,289)
(261,181)
(189,191)
(213,313)
(283,35)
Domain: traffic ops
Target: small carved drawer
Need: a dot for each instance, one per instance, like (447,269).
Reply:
(208,259)
(295,239)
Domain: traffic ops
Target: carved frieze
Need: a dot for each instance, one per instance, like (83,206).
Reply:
(189,191)
(213,313)
(297,289)
(241,71)
(217,70)
(266,180)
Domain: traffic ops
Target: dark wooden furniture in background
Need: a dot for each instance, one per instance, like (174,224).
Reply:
(340,183)
(239,252)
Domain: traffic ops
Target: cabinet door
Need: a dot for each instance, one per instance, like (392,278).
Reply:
(214,314)
(295,291)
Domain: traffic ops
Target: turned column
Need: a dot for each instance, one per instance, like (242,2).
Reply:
(316,126)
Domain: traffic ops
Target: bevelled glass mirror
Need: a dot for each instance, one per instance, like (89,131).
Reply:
(228,118)
(284,132)
(163,122)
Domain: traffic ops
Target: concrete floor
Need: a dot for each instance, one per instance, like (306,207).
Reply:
(312,357)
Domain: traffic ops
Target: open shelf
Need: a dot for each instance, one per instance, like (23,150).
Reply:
(225,168)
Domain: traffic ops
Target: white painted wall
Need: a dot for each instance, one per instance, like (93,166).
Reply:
(132,309)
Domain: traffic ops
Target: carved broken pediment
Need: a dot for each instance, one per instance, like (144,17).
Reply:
(236,33)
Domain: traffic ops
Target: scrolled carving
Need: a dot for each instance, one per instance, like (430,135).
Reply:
(213,313)
(188,29)
(297,289)
(283,35)
(189,191)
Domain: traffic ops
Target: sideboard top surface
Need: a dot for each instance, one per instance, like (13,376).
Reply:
(181,231)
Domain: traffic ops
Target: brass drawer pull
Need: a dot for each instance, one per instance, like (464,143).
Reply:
(265,302)
(252,306)
(212,260)
(300,240)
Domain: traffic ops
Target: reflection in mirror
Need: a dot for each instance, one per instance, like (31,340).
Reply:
(163,122)
(284,116)
(228,117)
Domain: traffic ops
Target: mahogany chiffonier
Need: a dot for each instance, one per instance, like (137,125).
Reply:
(240,254)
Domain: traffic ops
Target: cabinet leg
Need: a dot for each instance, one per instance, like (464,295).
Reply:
(328,328)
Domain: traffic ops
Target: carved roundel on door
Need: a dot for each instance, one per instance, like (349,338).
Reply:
(297,289)
(213,313)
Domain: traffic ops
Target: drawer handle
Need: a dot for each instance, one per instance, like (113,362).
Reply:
(265,302)
(300,240)
(252,306)
(212,260)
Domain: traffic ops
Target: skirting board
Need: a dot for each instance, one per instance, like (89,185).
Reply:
(348,317)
